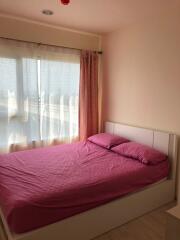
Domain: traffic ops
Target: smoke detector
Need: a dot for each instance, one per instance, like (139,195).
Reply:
(64,2)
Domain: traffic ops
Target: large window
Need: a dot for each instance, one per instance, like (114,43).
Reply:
(39,94)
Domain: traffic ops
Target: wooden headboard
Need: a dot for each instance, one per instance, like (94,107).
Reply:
(162,141)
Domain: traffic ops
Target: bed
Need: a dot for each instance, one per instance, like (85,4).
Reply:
(88,201)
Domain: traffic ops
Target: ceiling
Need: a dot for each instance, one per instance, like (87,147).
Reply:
(97,16)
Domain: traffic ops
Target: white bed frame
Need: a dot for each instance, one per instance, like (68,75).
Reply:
(94,222)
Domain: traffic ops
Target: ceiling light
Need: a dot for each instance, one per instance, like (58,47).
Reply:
(47,12)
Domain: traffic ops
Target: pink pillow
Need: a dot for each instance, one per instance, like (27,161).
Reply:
(107,140)
(144,154)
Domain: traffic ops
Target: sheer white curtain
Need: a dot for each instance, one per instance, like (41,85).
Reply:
(39,94)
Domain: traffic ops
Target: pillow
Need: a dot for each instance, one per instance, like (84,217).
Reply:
(144,154)
(107,140)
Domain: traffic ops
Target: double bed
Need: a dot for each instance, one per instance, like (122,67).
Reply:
(81,190)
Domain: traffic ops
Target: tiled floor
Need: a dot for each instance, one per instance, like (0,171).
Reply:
(151,226)
(1,232)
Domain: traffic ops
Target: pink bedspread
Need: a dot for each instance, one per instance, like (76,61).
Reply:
(42,186)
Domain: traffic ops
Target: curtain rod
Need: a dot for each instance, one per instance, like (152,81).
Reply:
(51,45)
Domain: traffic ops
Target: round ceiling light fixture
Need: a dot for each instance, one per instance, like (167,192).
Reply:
(65,2)
(47,12)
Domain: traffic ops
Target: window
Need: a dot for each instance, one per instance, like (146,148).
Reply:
(39,95)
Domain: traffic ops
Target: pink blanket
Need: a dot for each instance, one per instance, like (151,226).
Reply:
(42,186)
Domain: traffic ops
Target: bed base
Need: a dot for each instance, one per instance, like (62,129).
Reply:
(90,224)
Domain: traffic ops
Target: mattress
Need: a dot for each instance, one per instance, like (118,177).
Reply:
(39,187)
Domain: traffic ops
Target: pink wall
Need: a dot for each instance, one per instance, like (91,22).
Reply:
(142,75)
(12,27)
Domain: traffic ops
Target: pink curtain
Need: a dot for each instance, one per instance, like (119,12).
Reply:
(88,112)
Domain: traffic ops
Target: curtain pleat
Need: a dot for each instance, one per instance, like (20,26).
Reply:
(88,106)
